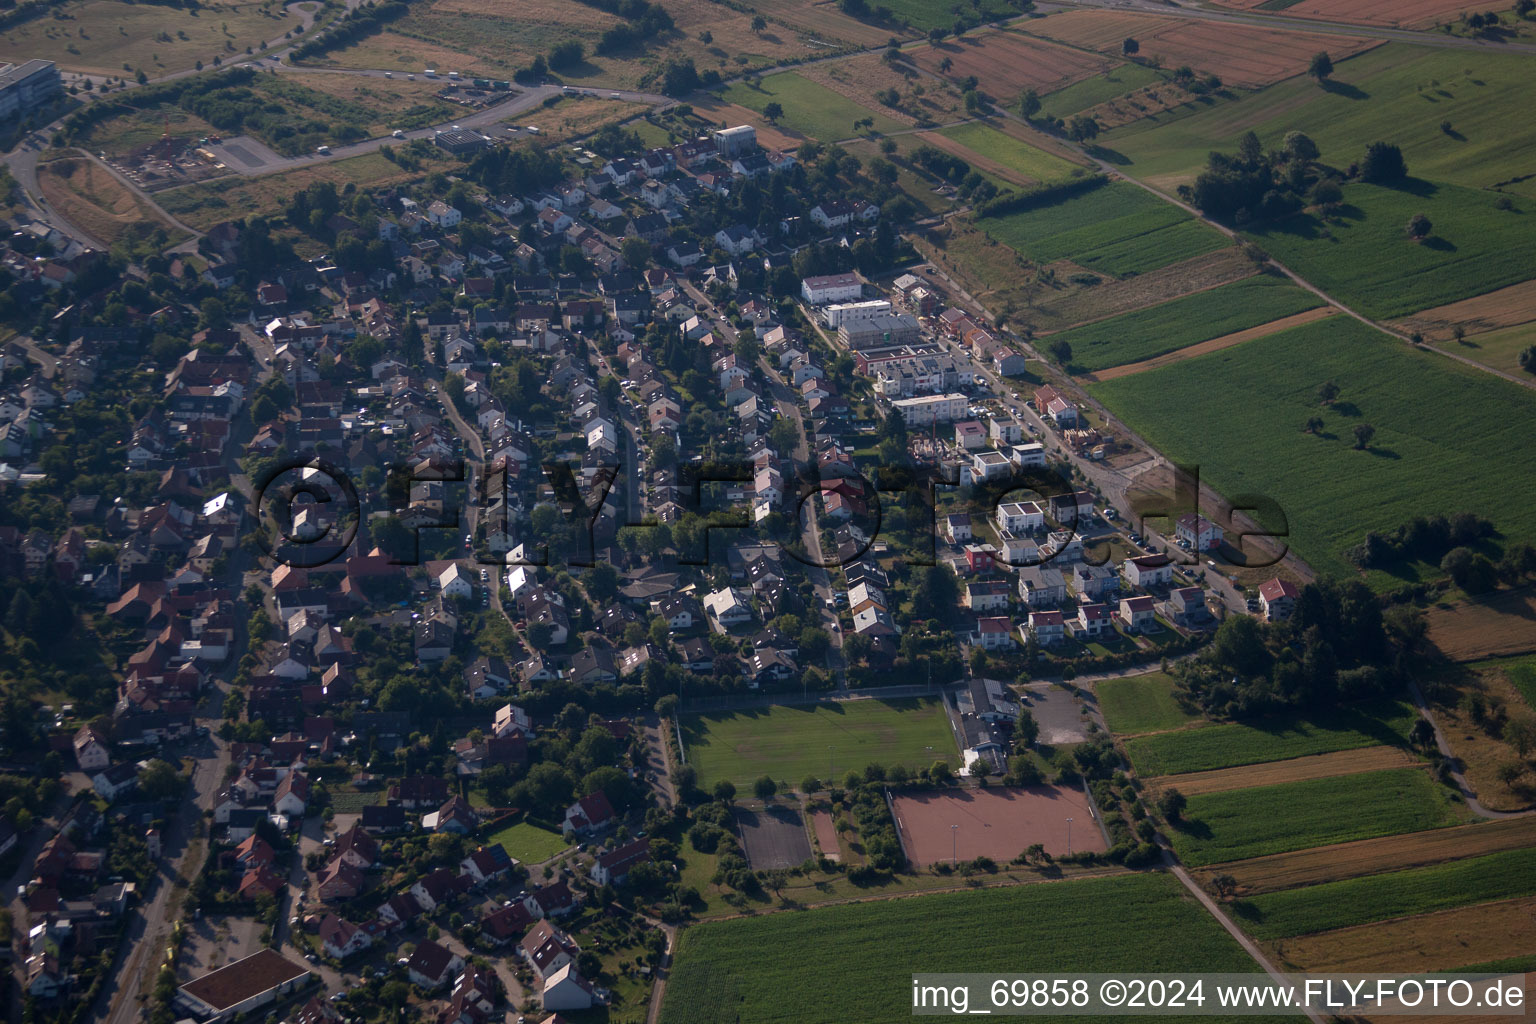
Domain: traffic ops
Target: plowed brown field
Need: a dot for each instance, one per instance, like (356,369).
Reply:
(1429,942)
(1505,307)
(1007,63)
(1489,627)
(1244,55)
(1400,13)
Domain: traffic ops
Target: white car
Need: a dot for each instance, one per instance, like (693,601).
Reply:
(398,133)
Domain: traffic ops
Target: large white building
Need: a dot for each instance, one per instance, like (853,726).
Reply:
(734,142)
(28,86)
(819,291)
(842,312)
(926,410)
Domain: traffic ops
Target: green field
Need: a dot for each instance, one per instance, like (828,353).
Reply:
(1011,152)
(1117,228)
(1141,704)
(1242,823)
(1186,321)
(1316,908)
(1231,744)
(1238,415)
(1499,349)
(825,740)
(1397,93)
(795,966)
(1090,92)
(1521,673)
(924,14)
(529,844)
(1366,260)
(809,108)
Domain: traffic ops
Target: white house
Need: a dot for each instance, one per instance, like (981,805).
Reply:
(1147,571)
(992,633)
(1138,614)
(455,582)
(1277,599)
(1047,627)
(1197,533)
(443,215)
(1020,517)
(728,607)
(1093,619)
(566,989)
(819,291)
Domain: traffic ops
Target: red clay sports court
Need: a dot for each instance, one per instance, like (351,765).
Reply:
(997,822)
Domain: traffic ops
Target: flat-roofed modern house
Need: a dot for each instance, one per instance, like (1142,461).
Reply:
(238,988)
(26,86)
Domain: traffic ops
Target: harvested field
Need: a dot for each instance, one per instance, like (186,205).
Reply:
(1470,629)
(773,837)
(1429,942)
(1007,63)
(823,21)
(1243,55)
(1369,856)
(1397,13)
(1297,769)
(997,822)
(1215,344)
(860,78)
(1506,307)
(826,833)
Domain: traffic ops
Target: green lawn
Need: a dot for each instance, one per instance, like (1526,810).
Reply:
(1117,228)
(825,740)
(1185,321)
(1231,744)
(856,961)
(1367,260)
(1012,153)
(529,844)
(808,107)
(1141,704)
(1242,823)
(1397,93)
(1316,908)
(1238,414)
(1090,92)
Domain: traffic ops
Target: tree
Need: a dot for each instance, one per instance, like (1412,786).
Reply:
(1422,735)
(1061,351)
(1528,359)
(1520,733)
(1130,47)
(773,111)
(1171,804)
(636,251)
(159,780)
(1321,66)
(1383,163)
(1299,146)
(810,784)
(1029,104)
(1363,433)
(1327,391)
(1419,226)
(1083,128)
(764,788)
(724,791)
(1314,425)
(945,65)
(759,23)
(937,591)
(1225,886)
(1469,570)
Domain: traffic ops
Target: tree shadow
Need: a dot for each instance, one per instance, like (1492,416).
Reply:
(1345,89)
(1438,244)
(1383,453)
(1194,828)
(1415,187)
(1345,408)
(1113,156)
(1454,134)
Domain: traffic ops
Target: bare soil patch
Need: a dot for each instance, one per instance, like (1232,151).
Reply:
(1500,624)
(1296,769)
(1371,856)
(826,833)
(1215,344)
(1245,55)
(87,194)
(1006,63)
(1399,13)
(1506,307)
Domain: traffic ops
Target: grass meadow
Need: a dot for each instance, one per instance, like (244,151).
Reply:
(824,740)
(1316,908)
(1090,92)
(1136,704)
(809,108)
(1185,321)
(1231,743)
(1241,823)
(1013,153)
(529,844)
(1397,92)
(1117,229)
(819,964)
(1238,415)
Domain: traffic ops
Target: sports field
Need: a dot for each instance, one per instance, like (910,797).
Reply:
(995,822)
(1136,704)
(1117,228)
(1498,876)
(789,743)
(1242,823)
(1185,321)
(1232,743)
(809,108)
(787,967)
(1238,415)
